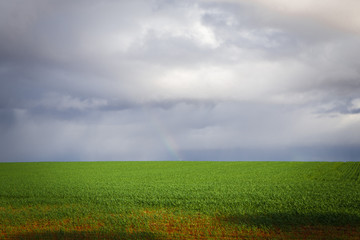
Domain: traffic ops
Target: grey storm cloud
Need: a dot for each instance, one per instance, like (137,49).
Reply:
(179,80)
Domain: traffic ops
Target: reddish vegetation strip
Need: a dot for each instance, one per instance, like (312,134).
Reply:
(55,226)
(164,224)
(173,226)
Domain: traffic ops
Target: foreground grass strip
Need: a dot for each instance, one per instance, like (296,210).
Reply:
(162,224)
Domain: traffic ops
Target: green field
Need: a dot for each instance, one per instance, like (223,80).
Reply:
(180,200)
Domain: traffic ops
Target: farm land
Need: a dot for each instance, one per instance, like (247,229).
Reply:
(180,200)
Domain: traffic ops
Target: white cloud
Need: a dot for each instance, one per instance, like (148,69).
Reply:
(334,13)
(355,104)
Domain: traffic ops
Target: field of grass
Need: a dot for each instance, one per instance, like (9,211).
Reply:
(180,200)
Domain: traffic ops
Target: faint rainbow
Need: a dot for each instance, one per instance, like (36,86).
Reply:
(165,136)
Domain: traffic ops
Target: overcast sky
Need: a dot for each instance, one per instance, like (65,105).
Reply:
(179,80)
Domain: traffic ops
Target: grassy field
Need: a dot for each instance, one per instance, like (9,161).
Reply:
(180,200)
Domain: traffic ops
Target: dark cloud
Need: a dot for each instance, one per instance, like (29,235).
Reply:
(331,153)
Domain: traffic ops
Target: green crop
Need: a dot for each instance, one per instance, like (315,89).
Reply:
(186,200)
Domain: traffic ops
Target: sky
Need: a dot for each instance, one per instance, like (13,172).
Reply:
(179,80)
